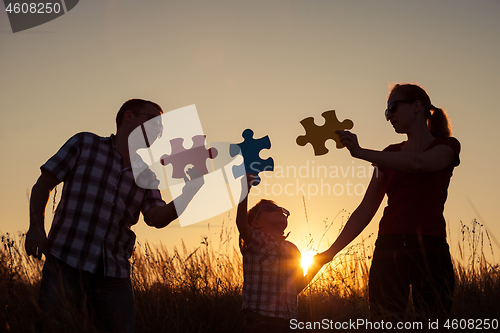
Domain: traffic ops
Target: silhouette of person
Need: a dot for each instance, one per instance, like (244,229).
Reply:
(411,248)
(272,271)
(90,241)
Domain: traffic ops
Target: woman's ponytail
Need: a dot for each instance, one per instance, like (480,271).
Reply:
(437,120)
(438,123)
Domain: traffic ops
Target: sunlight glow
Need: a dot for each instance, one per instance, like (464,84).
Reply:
(307,257)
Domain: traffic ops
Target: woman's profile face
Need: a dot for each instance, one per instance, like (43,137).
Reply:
(399,112)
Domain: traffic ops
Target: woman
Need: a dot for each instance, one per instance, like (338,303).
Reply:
(411,248)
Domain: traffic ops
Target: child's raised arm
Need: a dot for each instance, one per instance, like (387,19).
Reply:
(241,214)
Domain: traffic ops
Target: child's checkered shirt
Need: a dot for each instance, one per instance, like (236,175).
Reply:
(270,269)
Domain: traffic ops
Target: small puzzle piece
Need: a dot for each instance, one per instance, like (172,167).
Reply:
(317,135)
(250,149)
(197,155)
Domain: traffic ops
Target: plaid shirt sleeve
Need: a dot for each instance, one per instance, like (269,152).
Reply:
(61,164)
(152,199)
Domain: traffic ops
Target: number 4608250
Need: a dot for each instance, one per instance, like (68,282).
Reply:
(479,324)
(33,8)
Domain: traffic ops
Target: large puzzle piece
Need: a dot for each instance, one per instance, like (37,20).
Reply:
(180,157)
(317,135)
(250,149)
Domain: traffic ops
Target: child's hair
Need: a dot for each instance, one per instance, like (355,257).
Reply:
(253,211)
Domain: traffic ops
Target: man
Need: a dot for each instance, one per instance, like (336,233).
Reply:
(90,242)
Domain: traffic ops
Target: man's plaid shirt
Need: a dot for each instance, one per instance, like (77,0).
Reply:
(99,203)
(270,270)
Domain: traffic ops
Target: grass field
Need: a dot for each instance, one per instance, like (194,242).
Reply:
(199,290)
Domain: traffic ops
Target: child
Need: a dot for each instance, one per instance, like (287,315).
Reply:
(272,268)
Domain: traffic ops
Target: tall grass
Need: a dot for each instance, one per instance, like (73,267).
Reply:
(199,290)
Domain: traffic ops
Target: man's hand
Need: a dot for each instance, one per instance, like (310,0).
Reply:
(161,216)
(36,238)
(36,241)
(194,184)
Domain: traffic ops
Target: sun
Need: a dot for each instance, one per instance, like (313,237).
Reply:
(307,258)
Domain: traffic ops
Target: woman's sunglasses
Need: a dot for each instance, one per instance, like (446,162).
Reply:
(392,108)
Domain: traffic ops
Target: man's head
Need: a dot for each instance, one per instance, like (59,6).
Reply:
(140,113)
(137,107)
(268,217)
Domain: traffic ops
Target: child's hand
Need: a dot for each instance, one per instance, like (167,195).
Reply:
(246,184)
(251,180)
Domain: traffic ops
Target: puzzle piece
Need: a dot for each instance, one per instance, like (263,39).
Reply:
(250,149)
(197,156)
(317,135)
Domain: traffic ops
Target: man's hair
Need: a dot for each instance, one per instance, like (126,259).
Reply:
(253,211)
(134,105)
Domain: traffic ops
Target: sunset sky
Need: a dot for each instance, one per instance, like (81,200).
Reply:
(263,65)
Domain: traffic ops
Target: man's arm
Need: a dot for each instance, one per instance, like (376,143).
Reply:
(36,238)
(359,219)
(161,216)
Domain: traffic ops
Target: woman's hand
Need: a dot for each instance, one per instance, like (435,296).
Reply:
(350,140)
(323,258)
